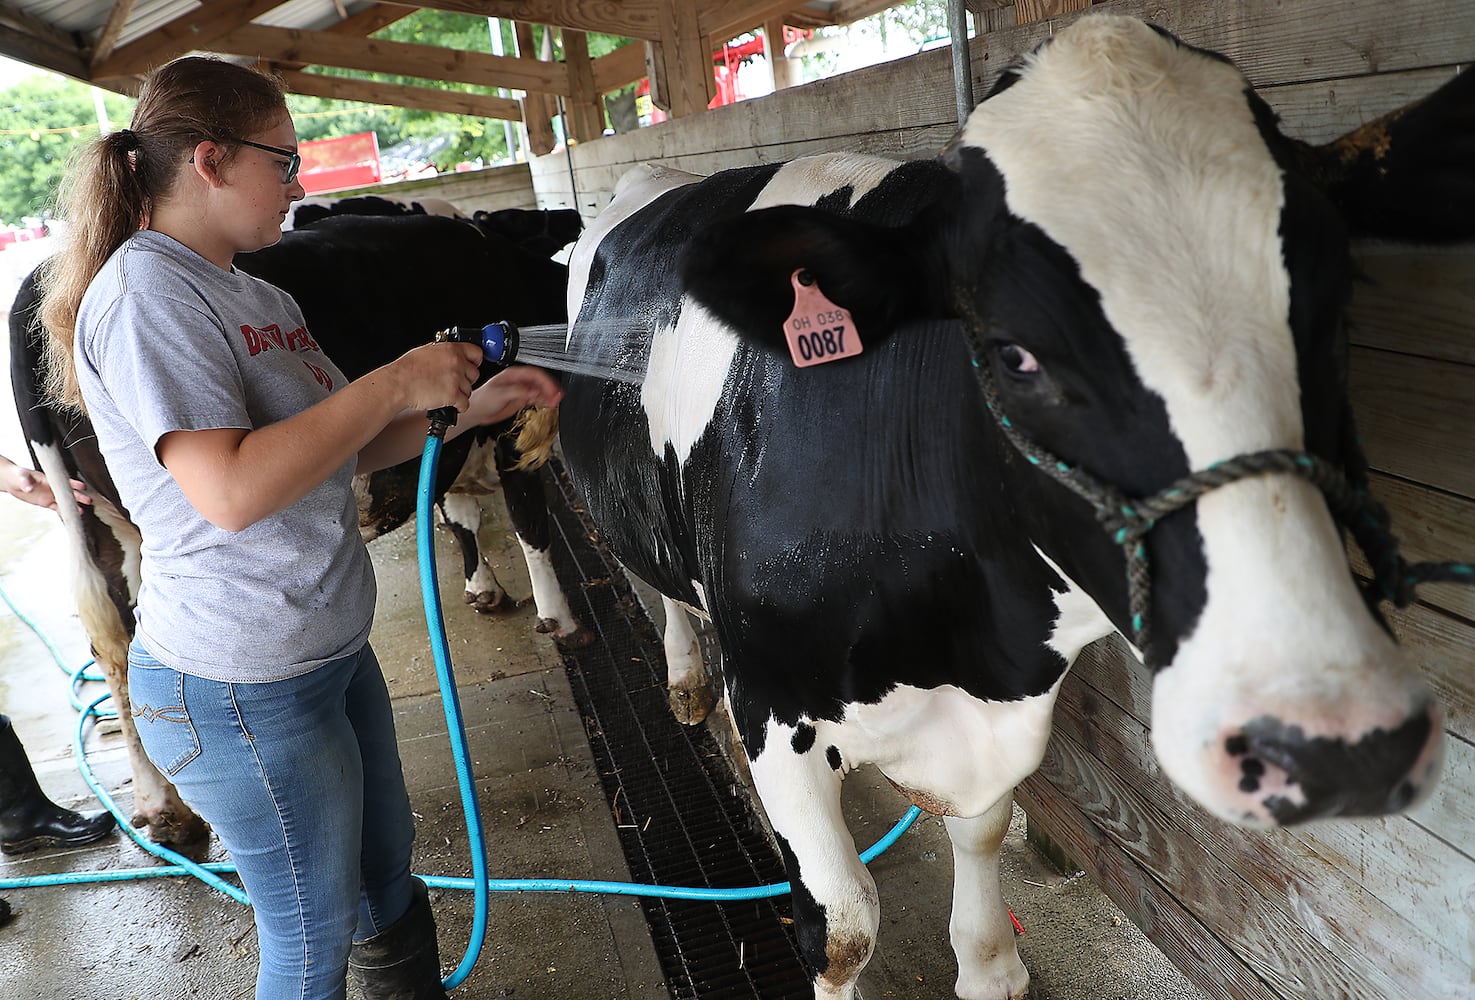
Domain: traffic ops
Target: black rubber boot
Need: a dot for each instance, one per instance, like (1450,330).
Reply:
(401,962)
(4,913)
(28,819)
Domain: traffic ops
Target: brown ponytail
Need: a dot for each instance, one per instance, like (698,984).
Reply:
(113,183)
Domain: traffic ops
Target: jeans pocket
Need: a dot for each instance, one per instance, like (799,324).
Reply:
(159,712)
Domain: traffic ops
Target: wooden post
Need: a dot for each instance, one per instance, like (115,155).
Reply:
(537,109)
(585,112)
(681,62)
(773,51)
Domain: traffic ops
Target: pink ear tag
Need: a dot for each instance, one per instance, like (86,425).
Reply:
(817,329)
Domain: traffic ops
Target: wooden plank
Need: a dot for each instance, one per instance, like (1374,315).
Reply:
(1430,527)
(724,20)
(193,30)
(427,62)
(371,19)
(1417,417)
(107,38)
(487,190)
(844,12)
(1325,110)
(1386,949)
(625,65)
(1162,916)
(1026,11)
(629,18)
(585,112)
(424,98)
(38,50)
(1416,301)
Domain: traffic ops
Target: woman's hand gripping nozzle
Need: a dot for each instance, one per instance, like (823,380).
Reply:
(498,342)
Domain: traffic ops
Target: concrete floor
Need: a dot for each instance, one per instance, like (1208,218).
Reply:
(544,812)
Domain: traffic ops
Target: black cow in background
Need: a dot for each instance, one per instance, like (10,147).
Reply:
(544,231)
(370,289)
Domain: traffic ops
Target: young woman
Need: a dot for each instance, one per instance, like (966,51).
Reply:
(233,442)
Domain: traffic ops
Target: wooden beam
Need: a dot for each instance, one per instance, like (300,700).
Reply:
(726,19)
(537,109)
(360,25)
(341,88)
(630,18)
(1029,11)
(844,12)
(374,55)
(186,33)
(13,19)
(36,50)
(370,20)
(681,63)
(107,39)
(614,70)
(585,112)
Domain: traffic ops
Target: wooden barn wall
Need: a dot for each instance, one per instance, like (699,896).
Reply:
(1350,909)
(488,190)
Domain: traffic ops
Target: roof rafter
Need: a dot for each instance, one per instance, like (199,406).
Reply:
(33,41)
(631,18)
(107,39)
(194,30)
(321,48)
(401,95)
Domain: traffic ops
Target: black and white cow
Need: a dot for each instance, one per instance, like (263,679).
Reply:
(370,288)
(1153,280)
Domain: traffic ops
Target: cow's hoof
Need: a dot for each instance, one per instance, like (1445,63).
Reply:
(174,830)
(691,705)
(490,602)
(579,638)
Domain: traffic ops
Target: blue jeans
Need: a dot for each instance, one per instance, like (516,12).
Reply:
(301,781)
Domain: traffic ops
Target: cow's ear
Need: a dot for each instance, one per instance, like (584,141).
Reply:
(741,269)
(1409,175)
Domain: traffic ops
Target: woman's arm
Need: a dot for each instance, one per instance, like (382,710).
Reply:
(234,477)
(503,395)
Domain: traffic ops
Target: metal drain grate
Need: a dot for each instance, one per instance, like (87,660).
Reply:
(681,817)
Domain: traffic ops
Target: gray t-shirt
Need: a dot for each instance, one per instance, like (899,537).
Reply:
(167,341)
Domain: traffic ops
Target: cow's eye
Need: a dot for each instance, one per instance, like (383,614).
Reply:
(1017,360)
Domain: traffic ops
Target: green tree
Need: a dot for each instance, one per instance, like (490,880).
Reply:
(43,118)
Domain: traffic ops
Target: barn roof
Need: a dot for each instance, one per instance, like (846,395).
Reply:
(112,43)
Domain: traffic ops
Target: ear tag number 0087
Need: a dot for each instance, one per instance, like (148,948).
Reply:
(818,330)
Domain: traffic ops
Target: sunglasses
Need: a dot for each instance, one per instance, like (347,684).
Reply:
(294,160)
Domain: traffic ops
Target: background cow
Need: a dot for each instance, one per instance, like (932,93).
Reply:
(1150,279)
(370,288)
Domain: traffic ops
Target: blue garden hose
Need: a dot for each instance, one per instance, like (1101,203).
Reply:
(480,884)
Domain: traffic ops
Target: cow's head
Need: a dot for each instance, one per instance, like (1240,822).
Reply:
(1156,278)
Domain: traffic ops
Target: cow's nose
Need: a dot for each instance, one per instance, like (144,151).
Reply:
(1295,777)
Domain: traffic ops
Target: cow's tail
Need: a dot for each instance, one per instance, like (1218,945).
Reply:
(536,428)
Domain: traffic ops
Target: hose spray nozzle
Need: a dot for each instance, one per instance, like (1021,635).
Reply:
(498,342)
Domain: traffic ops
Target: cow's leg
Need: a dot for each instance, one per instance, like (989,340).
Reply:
(687,687)
(461,516)
(836,910)
(156,803)
(527,508)
(982,933)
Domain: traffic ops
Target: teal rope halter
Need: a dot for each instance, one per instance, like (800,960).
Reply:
(1128,520)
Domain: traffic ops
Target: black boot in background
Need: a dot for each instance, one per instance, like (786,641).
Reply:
(401,962)
(28,819)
